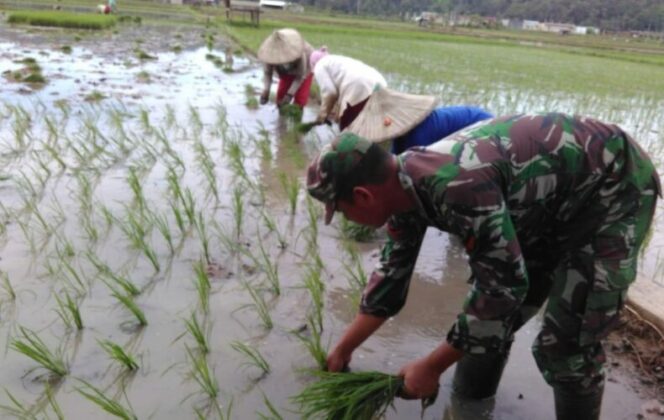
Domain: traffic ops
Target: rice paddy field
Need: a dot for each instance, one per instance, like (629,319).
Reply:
(159,257)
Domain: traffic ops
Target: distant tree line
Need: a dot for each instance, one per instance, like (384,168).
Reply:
(617,15)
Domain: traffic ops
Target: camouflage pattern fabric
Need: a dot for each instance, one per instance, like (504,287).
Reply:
(548,206)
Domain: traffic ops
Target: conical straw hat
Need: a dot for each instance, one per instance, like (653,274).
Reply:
(389,114)
(282,46)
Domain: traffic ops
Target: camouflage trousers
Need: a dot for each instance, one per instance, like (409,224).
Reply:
(586,284)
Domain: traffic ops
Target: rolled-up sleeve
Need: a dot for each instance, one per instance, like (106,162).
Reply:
(387,289)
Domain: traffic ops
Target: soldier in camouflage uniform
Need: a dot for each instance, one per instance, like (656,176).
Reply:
(548,206)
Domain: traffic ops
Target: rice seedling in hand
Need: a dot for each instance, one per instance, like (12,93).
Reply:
(254,357)
(117,353)
(348,395)
(202,283)
(30,345)
(204,377)
(200,333)
(112,407)
(69,311)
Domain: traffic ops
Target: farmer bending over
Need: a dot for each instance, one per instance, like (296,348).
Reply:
(286,52)
(548,206)
(343,82)
(408,120)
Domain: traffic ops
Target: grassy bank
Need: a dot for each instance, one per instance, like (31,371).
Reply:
(61,19)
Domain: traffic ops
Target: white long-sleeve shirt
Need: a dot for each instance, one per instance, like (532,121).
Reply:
(345,81)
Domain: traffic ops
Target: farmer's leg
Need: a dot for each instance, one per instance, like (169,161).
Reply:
(589,290)
(477,376)
(285,82)
(302,94)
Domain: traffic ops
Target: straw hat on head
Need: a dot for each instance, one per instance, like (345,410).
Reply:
(282,46)
(389,114)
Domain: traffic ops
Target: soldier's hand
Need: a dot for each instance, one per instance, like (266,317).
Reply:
(338,360)
(265,96)
(420,379)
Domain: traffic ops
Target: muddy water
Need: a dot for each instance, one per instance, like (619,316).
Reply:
(183,88)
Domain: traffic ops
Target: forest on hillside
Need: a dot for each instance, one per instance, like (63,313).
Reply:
(616,15)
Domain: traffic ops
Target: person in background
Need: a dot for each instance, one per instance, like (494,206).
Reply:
(286,53)
(550,208)
(409,120)
(343,82)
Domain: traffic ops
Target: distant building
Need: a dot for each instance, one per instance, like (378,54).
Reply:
(531,25)
(558,28)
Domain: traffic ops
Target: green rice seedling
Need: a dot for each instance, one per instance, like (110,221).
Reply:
(251,102)
(161,221)
(204,377)
(142,55)
(273,412)
(351,395)
(199,333)
(202,283)
(117,353)
(238,209)
(128,302)
(203,236)
(195,119)
(189,206)
(316,288)
(55,155)
(30,345)
(228,241)
(263,143)
(7,287)
(112,407)
(71,274)
(53,403)
(169,116)
(207,167)
(253,356)
(136,188)
(291,187)
(177,215)
(66,49)
(69,310)
(271,225)
(18,409)
(235,153)
(313,341)
(270,268)
(291,111)
(260,306)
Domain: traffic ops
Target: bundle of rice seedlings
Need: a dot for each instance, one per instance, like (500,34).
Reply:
(348,395)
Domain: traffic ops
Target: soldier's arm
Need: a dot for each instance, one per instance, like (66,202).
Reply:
(500,280)
(387,289)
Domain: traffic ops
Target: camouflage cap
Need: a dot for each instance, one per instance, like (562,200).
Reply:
(329,168)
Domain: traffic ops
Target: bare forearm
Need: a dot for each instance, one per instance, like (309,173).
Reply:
(359,330)
(443,357)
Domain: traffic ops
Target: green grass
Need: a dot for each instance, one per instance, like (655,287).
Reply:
(421,59)
(62,19)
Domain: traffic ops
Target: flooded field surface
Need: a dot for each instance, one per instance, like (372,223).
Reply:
(141,191)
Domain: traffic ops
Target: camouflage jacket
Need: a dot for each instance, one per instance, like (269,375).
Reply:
(504,186)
